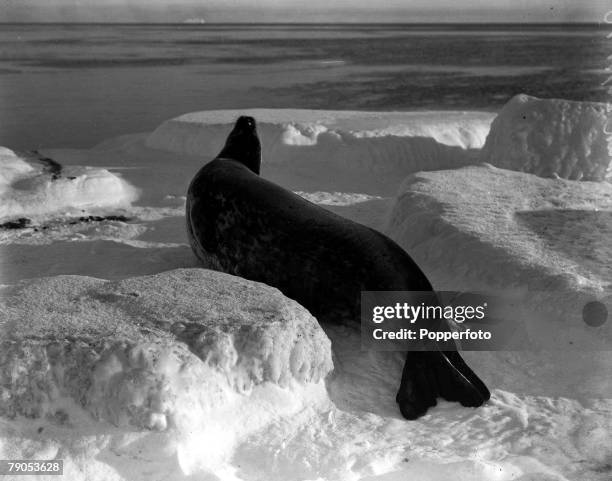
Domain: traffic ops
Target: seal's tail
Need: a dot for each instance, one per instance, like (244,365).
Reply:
(428,375)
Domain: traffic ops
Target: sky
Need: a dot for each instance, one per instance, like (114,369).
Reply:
(304,10)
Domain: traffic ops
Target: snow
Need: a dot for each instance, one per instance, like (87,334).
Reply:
(371,141)
(551,137)
(549,237)
(337,198)
(247,331)
(205,353)
(416,175)
(467,224)
(28,190)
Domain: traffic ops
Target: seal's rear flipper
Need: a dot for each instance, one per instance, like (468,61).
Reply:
(455,359)
(429,375)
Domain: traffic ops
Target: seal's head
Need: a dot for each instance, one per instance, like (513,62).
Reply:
(243,145)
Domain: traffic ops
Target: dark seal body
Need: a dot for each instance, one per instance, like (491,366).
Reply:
(244,225)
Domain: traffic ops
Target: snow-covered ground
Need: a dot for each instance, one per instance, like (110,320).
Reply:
(549,238)
(417,176)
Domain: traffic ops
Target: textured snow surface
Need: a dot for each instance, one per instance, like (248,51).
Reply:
(551,138)
(29,190)
(201,403)
(549,238)
(371,141)
(554,227)
(171,351)
(113,345)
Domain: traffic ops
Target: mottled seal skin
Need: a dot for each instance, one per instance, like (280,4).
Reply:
(244,225)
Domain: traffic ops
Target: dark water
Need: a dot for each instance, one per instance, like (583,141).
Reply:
(76,85)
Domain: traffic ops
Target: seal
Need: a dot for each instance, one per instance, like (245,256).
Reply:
(242,224)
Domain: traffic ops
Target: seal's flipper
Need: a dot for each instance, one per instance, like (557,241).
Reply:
(454,358)
(418,389)
(429,375)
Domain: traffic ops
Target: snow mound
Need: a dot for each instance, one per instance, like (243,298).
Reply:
(172,350)
(372,141)
(550,138)
(12,168)
(482,228)
(29,190)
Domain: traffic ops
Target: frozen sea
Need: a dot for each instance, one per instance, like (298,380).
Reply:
(76,85)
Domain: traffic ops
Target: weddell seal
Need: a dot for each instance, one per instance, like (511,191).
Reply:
(244,225)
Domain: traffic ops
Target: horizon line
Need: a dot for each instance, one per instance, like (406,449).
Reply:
(196,24)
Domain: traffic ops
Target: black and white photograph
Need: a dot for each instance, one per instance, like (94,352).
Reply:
(289,240)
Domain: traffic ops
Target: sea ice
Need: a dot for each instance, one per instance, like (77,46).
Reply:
(28,190)
(382,142)
(119,348)
(158,385)
(541,243)
(551,138)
